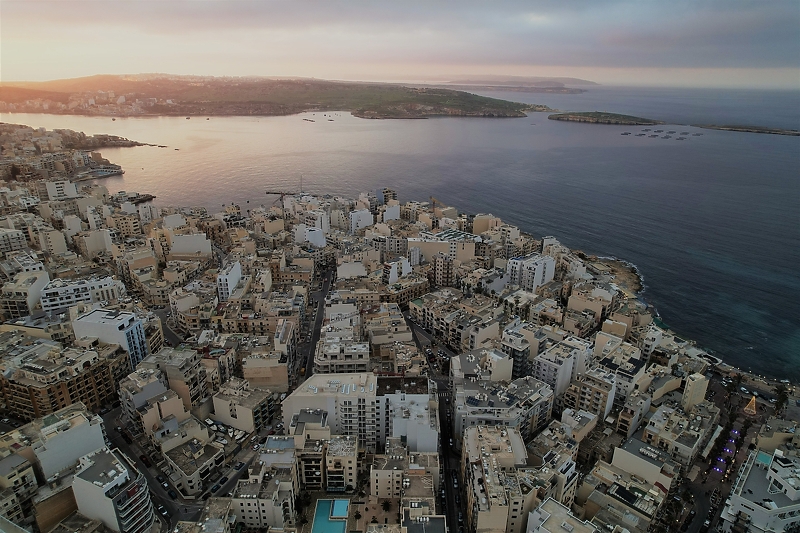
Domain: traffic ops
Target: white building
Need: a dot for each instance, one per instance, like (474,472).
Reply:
(359,219)
(109,487)
(765,496)
(11,240)
(114,327)
(531,272)
(562,363)
(227,280)
(59,294)
(553,517)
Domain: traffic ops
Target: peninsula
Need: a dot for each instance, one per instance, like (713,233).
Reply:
(750,129)
(598,117)
(165,95)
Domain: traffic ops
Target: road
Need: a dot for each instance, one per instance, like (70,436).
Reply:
(170,337)
(306,349)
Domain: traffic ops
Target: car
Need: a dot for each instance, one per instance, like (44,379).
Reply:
(223,480)
(5,421)
(215,488)
(162,510)
(256,447)
(744,391)
(262,440)
(146,461)
(160,478)
(172,494)
(239,465)
(126,438)
(254,438)
(164,484)
(772,400)
(279,425)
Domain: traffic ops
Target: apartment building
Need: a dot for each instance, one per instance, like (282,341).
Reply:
(680,434)
(114,327)
(530,272)
(766,494)
(184,372)
(39,377)
(266,499)
(495,500)
(17,476)
(341,463)
(137,388)
(554,517)
(524,403)
(562,363)
(20,297)
(12,240)
(350,401)
(228,279)
(109,487)
(60,294)
(593,392)
(241,406)
(192,464)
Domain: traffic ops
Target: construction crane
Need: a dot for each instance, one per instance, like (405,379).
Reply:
(434,201)
(282,194)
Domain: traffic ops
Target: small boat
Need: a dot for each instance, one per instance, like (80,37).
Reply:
(309,120)
(658,131)
(646,129)
(696,134)
(113,119)
(625,133)
(681,139)
(667,137)
(208,118)
(330,120)
(641,134)
(653,136)
(187,118)
(176,149)
(670,132)
(684,133)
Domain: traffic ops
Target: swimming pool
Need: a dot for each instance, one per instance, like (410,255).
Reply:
(330,516)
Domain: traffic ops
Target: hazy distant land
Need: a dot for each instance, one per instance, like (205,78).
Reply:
(750,129)
(164,95)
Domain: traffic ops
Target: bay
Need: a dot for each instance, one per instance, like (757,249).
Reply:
(712,222)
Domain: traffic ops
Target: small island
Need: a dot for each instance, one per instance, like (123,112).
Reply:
(750,129)
(599,117)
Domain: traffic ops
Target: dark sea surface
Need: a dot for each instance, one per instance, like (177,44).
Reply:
(712,222)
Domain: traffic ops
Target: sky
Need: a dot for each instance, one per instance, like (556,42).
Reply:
(727,43)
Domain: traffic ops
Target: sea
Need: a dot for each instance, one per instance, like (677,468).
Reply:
(712,222)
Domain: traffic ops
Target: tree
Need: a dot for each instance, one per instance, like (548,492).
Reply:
(357,515)
(782,395)
(386,505)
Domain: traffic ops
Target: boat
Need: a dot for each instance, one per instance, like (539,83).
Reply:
(667,137)
(681,139)
(187,118)
(653,136)
(670,132)
(696,134)
(658,131)
(625,133)
(208,118)
(309,120)
(113,119)
(641,134)
(646,129)
(684,133)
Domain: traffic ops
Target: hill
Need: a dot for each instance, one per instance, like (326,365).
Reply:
(161,94)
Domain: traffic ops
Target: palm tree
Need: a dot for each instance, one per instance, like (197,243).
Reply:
(386,505)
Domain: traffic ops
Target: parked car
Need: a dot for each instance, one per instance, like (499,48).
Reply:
(146,461)
(239,465)
(172,494)
(215,488)
(160,478)
(223,480)
(162,510)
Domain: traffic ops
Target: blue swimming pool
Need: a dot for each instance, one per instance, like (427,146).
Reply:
(330,516)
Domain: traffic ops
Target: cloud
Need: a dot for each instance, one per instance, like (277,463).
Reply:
(256,35)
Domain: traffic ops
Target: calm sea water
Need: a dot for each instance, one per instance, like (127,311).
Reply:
(713,222)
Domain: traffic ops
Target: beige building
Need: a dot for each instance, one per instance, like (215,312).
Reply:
(341,464)
(593,392)
(21,296)
(192,464)
(241,406)
(266,499)
(184,372)
(497,499)
(554,517)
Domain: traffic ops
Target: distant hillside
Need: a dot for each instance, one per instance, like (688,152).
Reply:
(159,94)
(531,81)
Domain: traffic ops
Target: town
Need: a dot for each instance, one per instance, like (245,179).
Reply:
(327,364)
